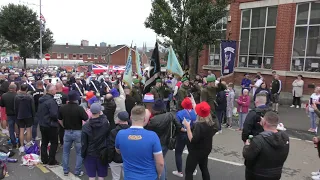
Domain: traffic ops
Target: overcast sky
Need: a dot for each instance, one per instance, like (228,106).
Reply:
(111,21)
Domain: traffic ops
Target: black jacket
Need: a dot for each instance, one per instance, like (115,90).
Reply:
(4,85)
(72,115)
(266,154)
(47,113)
(7,101)
(130,103)
(24,106)
(161,123)
(202,137)
(112,154)
(36,96)
(109,109)
(251,125)
(94,136)
(221,101)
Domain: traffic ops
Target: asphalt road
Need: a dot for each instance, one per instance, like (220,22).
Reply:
(225,163)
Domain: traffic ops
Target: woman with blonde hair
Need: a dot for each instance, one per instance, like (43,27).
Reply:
(200,139)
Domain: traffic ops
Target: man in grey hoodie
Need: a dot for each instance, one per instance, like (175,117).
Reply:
(119,99)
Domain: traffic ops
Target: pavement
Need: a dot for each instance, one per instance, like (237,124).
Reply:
(225,160)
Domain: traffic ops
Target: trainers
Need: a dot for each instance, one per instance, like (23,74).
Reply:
(66,173)
(292,106)
(176,173)
(81,173)
(297,107)
(317,173)
(21,149)
(195,172)
(316,177)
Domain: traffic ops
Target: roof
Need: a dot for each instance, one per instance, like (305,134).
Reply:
(77,49)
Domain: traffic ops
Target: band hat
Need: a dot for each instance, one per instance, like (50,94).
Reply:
(77,77)
(64,79)
(16,73)
(210,79)
(46,78)
(148,98)
(31,78)
(159,81)
(93,75)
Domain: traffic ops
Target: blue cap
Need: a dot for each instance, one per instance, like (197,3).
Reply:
(96,108)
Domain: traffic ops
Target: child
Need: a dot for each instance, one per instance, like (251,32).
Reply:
(230,104)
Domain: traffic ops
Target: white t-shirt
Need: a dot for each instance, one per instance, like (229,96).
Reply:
(315,98)
(257,84)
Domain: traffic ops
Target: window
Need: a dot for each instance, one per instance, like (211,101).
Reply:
(89,56)
(95,56)
(80,56)
(258,32)
(65,56)
(58,55)
(306,46)
(214,49)
(74,56)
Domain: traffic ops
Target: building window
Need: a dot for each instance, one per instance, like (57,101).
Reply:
(58,55)
(95,56)
(258,32)
(65,56)
(214,49)
(74,56)
(306,46)
(89,56)
(80,56)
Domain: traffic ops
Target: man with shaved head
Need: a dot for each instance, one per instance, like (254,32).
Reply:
(61,99)
(109,109)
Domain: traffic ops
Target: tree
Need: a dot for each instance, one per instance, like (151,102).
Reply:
(187,25)
(20,25)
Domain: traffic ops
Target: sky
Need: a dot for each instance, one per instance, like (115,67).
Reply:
(112,21)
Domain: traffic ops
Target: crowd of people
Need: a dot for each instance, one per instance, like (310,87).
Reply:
(112,125)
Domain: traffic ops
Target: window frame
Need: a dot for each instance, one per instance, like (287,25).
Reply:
(308,25)
(65,56)
(58,55)
(219,54)
(250,28)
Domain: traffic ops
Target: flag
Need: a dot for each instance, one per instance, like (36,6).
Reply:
(173,65)
(228,55)
(42,18)
(127,76)
(138,65)
(154,71)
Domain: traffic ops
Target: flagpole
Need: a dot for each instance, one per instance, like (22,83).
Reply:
(40,37)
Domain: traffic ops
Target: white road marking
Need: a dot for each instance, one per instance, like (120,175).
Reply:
(294,138)
(219,160)
(58,170)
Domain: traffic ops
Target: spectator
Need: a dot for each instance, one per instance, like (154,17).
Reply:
(130,100)
(275,92)
(221,104)
(263,89)
(61,99)
(243,107)
(119,99)
(109,110)
(314,98)
(48,121)
(266,153)
(230,104)
(257,84)
(39,92)
(7,101)
(94,143)
(297,91)
(70,118)
(114,159)
(25,111)
(246,82)
(140,149)
(200,139)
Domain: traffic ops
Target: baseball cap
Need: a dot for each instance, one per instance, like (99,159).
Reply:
(96,108)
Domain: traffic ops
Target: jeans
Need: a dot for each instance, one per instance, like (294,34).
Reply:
(195,158)
(242,118)
(49,134)
(181,142)
(72,136)
(116,170)
(220,115)
(313,118)
(12,121)
(164,173)
(35,128)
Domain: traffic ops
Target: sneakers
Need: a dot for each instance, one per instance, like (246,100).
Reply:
(21,149)
(176,173)
(292,106)
(297,107)
(66,173)
(80,174)
(316,177)
(317,173)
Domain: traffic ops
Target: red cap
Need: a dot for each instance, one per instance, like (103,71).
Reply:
(186,103)
(89,95)
(203,109)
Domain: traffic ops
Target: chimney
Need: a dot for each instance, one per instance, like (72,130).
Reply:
(96,46)
(135,47)
(67,45)
(109,45)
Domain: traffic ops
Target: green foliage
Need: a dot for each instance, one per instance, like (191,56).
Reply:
(186,24)
(20,25)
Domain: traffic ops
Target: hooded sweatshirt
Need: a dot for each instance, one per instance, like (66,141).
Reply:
(94,136)
(266,154)
(47,113)
(24,106)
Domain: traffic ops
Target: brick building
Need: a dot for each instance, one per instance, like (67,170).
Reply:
(271,35)
(116,55)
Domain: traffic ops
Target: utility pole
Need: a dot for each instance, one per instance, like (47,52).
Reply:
(40,36)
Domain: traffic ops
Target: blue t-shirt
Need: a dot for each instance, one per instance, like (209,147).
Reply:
(137,147)
(189,115)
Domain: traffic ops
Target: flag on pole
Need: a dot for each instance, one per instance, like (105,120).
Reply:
(173,65)
(42,18)
(138,65)
(154,71)
(127,76)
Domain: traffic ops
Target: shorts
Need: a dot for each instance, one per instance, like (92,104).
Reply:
(94,167)
(25,123)
(275,98)
(3,114)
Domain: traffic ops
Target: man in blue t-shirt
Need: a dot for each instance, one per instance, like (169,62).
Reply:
(140,149)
